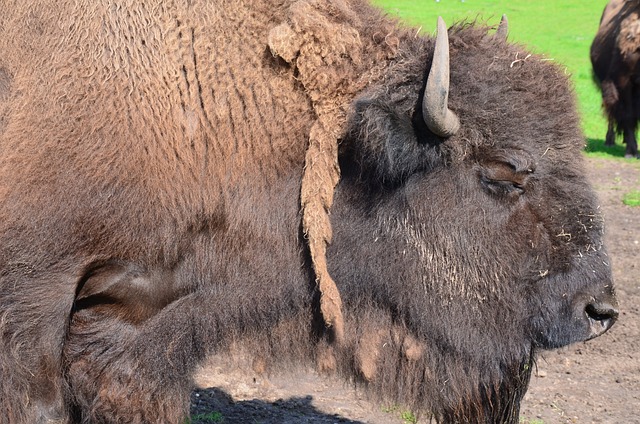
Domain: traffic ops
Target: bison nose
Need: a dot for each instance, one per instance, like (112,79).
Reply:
(601,316)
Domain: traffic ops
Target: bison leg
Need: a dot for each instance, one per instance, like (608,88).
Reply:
(610,140)
(118,362)
(630,140)
(133,345)
(122,373)
(33,323)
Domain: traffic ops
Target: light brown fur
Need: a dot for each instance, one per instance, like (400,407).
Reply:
(154,61)
(215,116)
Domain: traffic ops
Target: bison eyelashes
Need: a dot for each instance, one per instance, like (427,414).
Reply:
(504,179)
(502,188)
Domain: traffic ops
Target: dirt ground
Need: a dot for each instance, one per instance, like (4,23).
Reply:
(593,382)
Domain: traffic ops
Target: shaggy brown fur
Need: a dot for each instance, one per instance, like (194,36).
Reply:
(167,170)
(334,62)
(615,56)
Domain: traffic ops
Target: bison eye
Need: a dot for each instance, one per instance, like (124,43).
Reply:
(501,188)
(504,179)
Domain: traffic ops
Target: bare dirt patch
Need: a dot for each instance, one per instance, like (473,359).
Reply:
(593,382)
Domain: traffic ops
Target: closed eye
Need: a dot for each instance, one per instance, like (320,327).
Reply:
(503,179)
(511,189)
(505,173)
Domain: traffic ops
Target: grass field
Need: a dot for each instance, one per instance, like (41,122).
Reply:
(562,30)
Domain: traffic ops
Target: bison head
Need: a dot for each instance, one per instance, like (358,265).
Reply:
(471,230)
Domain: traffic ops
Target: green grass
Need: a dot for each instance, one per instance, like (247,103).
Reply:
(632,198)
(407,417)
(562,30)
(210,417)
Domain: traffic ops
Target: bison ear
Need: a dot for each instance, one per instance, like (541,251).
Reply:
(382,144)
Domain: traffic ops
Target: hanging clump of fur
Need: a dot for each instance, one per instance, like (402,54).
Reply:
(321,42)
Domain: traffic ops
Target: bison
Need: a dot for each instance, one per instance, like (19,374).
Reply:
(307,180)
(615,57)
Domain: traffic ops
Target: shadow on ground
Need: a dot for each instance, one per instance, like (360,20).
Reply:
(596,146)
(214,405)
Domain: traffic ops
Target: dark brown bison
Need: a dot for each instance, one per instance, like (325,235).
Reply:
(166,176)
(615,56)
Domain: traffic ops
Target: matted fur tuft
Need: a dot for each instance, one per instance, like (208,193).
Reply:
(334,58)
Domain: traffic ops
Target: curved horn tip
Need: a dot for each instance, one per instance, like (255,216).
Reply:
(435,111)
(441,26)
(503,28)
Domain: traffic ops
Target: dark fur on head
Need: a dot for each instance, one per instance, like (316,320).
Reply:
(483,219)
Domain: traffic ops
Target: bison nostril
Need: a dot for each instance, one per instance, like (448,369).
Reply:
(601,317)
(601,311)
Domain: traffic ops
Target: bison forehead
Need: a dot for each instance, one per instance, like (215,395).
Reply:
(503,94)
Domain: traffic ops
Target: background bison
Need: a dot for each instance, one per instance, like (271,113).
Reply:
(166,173)
(615,56)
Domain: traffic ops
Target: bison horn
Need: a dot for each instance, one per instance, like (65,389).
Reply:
(503,28)
(435,111)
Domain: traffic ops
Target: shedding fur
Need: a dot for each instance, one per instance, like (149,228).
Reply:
(255,179)
(328,55)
